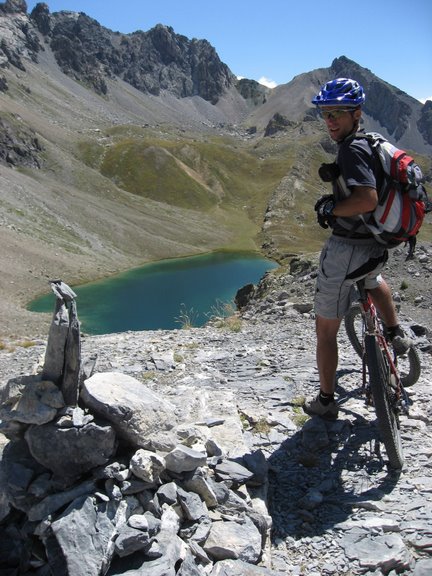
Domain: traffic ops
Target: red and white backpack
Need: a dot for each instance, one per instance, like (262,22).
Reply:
(402,200)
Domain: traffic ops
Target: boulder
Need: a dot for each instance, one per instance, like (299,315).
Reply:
(71,451)
(140,417)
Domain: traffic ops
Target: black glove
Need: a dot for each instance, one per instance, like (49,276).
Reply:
(329,172)
(324,209)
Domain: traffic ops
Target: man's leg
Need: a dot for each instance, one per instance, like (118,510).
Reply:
(327,360)
(383,300)
(327,352)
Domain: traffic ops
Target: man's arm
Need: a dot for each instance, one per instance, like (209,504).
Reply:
(363,199)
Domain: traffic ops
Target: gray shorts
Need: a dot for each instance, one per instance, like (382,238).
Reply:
(341,264)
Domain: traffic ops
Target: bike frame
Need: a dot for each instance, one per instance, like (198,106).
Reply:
(372,327)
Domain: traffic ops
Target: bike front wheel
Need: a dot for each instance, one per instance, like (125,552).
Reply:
(409,366)
(384,398)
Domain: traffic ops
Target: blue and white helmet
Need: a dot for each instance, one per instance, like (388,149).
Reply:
(341,91)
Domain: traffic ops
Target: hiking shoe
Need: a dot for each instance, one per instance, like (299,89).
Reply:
(315,407)
(401,344)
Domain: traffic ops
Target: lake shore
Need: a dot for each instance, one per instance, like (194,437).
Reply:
(28,269)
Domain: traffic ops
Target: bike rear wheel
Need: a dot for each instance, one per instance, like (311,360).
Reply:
(384,401)
(409,366)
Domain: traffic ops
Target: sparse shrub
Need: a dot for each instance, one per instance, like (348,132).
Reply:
(224,315)
(261,426)
(178,357)
(299,417)
(186,318)
(11,346)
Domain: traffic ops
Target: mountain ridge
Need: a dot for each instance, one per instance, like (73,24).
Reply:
(160,60)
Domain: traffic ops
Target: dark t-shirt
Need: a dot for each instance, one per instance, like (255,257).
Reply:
(358,167)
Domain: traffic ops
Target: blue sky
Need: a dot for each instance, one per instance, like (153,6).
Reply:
(274,40)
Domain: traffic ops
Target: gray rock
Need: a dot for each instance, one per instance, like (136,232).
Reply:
(82,541)
(192,505)
(54,502)
(311,500)
(130,540)
(71,451)
(232,540)
(191,565)
(29,400)
(167,494)
(139,415)
(315,435)
(423,567)
(241,568)
(184,459)
(233,471)
(170,550)
(386,552)
(139,521)
(147,465)
(200,484)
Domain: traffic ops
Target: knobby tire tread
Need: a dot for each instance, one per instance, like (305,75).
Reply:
(413,359)
(388,422)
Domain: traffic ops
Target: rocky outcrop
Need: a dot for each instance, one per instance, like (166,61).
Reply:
(14,6)
(277,124)
(19,145)
(150,61)
(425,122)
(252,91)
(154,61)
(18,39)
(41,17)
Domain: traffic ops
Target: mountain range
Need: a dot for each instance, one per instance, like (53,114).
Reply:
(117,149)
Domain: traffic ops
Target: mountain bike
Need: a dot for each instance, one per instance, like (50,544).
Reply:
(385,387)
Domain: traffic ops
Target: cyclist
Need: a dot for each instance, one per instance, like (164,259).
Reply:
(351,252)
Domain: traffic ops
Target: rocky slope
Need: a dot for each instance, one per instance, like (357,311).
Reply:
(333,505)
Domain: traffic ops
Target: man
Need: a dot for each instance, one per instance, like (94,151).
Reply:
(351,252)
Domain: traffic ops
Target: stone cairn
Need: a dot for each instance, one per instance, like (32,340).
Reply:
(103,476)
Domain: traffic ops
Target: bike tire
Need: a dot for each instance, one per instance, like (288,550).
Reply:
(388,421)
(409,367)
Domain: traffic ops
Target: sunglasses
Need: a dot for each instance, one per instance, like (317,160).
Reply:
(334,114)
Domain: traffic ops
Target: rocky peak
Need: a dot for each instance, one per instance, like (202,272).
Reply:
(382,101)
(18,39)
(14,6)
(41,17)
(252,91)
(386,104)
(154,61)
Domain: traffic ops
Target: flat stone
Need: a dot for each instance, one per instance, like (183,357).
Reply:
(184,459)
(387,552)
(139,415)
(232,540)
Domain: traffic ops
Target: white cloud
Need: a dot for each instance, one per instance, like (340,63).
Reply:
(423,100)
(267,82)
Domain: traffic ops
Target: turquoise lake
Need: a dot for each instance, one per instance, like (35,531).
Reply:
(161,294)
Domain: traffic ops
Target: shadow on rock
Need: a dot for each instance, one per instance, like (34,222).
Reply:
(321,474)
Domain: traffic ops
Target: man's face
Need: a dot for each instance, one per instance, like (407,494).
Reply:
(340,121)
